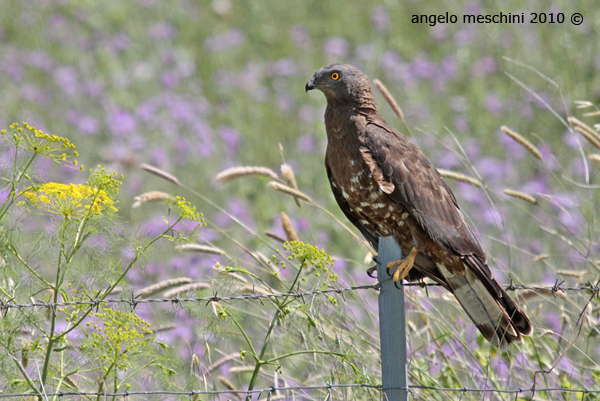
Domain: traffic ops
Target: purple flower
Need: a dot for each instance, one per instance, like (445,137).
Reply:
(484,66)
(67,78)
(169,79)
(571,139)
(380,18)
(306,143)
(390,60)
(438,33)
(540,100)
(336,48)
(300,36)
(282,67)
(15,70)
(204,145)
(447,160)
(91,88)
(493,169)
(88,125)
(473,8)
(513,149)
(38,60)
(422,67)
(147,110)
(465,36)
(159,156)
(118,43)
(285,102)
(448,66)
(121,122)
(493,103)
(365,53)
(572,221)
(461,124)
(231,137)
(161,30)
(225,41)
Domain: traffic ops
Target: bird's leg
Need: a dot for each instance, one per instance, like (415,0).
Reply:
(404,265)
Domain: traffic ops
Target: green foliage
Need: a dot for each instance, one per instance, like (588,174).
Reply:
(75,214)
(118,336)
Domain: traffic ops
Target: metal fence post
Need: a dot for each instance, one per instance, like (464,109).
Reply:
(392,324)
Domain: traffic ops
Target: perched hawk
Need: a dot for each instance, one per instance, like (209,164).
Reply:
(386,186)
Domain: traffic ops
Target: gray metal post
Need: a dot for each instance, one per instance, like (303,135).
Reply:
(392,324)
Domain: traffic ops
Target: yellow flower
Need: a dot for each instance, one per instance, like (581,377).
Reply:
(30,138)
(69,200)
(187,211)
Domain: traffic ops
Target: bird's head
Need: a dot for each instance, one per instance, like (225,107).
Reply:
(340,82)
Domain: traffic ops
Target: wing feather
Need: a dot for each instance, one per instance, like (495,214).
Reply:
(405,174)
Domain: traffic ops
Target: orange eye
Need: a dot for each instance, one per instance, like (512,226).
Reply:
(335,76)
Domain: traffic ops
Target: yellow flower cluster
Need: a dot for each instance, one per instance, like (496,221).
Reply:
(69,200)
(123,334)
(310,254)
(53,147)
(187,211)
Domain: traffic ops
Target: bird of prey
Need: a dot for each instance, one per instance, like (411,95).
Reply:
(386,186)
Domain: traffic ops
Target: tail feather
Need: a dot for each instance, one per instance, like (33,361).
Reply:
(491,309)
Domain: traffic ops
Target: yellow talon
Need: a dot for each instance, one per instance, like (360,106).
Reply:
(404,265)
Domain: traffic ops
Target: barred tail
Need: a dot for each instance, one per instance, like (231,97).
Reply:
(492,310)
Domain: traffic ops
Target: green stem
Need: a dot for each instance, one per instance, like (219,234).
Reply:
(338,354)
(22,369)
(55,287)
(31,270)
(260,361)
(101,385)
(14,183)
(252,350)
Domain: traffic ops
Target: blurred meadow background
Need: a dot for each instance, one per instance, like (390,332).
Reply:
(197,87)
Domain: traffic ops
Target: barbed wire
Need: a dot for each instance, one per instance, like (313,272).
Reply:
(328,387)
(5,305)
(133,301)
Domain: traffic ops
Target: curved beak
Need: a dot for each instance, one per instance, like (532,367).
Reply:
(310,85)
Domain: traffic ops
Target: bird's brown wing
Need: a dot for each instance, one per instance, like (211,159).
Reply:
(404,173)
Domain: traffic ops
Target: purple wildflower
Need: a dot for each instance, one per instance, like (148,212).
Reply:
(88,125)
(336,48)
(380,18)
(306,143)
(121,122)
(422,67)
(67,78)
(493,103)
(225,41)
(282,67)
(300,37)
(161,30)
(231,137)
(484,66)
